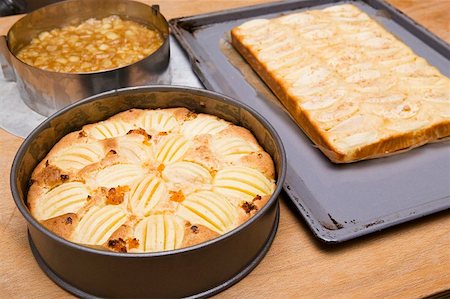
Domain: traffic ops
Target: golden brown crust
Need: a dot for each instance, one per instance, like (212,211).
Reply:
(196,233)
(120,179)
(249,208)
(259,160)
(236,131)
(63,225)
(381,147)
(34,193)
(201,152)
(182,114)
(51,176)
(118,240)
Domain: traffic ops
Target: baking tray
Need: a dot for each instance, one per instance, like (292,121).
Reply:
(338,201)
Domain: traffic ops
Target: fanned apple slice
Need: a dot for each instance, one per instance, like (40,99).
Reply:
(160,121)
(146,193)
(78,156)
(242,182)
(66,198)
(172,148)
(210,209)
(119,175)
(186,172)
(110,129)
(233,148)
(203,124)
(98,224)
(159,232)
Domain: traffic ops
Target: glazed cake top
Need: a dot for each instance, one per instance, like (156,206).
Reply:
(151,180)
(357,83)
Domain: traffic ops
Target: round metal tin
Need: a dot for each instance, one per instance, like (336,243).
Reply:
(199,270)
(47,91)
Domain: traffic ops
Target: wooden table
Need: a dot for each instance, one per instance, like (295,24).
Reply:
(410,260)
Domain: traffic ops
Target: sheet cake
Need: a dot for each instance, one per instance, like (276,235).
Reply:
(355,89)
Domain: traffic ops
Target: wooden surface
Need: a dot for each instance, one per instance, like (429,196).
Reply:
(409,261)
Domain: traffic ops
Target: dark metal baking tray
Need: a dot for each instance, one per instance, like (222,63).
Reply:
(339,202)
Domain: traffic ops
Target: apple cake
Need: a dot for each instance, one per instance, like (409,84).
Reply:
(151,180)
(355,89)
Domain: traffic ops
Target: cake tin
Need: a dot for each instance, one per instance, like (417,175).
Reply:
(199,271)
(47,91)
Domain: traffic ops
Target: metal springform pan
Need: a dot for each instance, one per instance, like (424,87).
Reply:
(197,271)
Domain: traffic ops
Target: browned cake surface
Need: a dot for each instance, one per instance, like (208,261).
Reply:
(355,89)
(151,180)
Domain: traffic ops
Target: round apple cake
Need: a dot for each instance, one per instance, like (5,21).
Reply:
(151,180)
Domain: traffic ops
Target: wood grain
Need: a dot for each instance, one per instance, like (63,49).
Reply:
(408,261)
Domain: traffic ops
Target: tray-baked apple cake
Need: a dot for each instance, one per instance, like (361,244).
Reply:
(151,180)
(355,89)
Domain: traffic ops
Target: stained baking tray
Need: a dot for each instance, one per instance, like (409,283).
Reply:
(339,202)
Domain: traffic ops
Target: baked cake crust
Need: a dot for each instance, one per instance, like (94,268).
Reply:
(151,180)
(339,65)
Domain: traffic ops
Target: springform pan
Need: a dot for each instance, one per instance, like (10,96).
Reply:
(199,271)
